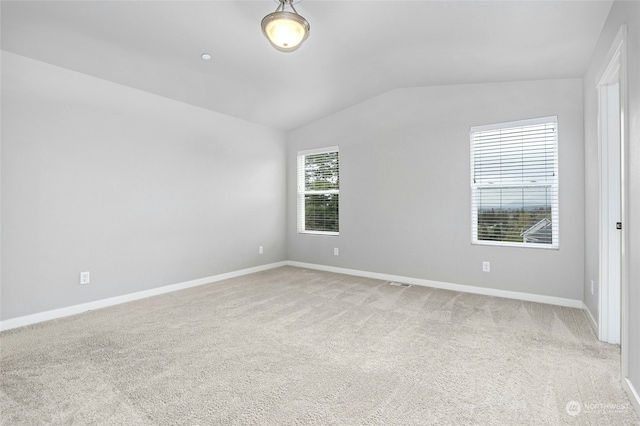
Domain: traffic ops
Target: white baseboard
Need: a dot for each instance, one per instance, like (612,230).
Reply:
(592,320)
(634,397)
(89,306)
(84,307)
(529,297)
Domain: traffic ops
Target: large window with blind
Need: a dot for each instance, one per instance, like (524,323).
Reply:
(319,191)
(514,183)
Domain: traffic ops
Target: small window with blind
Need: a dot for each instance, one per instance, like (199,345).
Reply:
(318,191)
(514,183)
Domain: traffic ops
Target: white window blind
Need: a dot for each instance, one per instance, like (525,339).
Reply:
(319,191)
(514,183)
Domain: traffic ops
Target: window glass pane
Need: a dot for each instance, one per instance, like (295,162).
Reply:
(515,155)
(321,172)
(520,215)
(321,212)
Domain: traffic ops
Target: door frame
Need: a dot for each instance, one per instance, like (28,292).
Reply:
(613,71)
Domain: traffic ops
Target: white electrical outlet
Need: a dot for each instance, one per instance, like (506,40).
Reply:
(592,287)
(260,250)
(486,266)
(336,251)
(84,277)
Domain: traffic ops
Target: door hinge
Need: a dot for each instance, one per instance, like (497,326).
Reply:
(618,225)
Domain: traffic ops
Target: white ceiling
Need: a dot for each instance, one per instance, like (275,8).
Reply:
(356,49)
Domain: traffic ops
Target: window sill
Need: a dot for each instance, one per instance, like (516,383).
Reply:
(319,233)
(518,245)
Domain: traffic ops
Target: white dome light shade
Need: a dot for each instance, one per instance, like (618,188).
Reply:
(285,30)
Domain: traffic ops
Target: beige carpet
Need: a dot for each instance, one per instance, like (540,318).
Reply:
(296,346)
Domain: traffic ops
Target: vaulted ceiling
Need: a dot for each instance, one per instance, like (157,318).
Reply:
(355,51)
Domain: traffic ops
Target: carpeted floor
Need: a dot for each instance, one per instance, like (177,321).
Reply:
(296,346)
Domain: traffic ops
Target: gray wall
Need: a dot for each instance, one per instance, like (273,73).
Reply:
(404,195)
(622,12)
(139,190)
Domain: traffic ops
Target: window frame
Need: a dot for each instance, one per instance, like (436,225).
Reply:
(302,192)
(554,186)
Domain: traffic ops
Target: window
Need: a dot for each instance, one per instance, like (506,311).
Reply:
(514,183)
(318,191)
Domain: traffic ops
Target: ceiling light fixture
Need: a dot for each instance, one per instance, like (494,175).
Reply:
(285,30)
